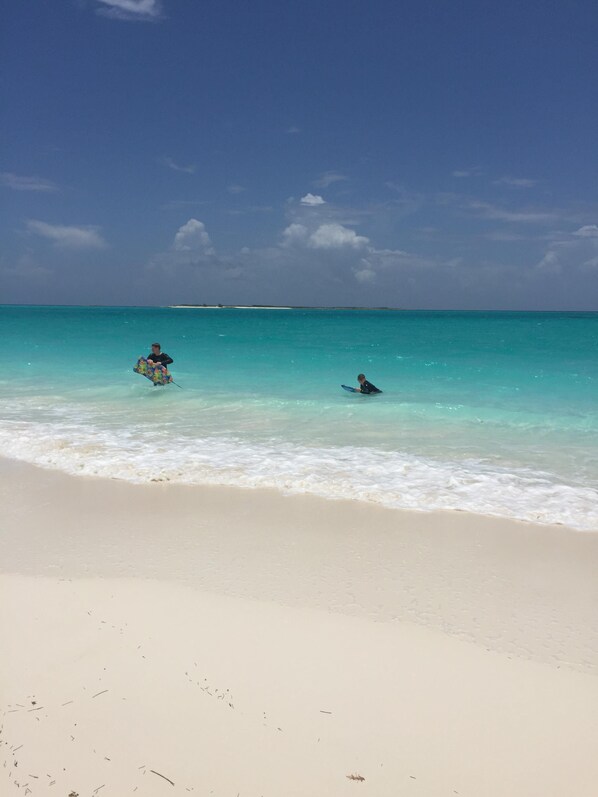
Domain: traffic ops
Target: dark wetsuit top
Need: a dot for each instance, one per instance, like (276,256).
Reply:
(161,358)
(367,387)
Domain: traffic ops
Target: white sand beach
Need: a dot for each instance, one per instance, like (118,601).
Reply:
(165,639)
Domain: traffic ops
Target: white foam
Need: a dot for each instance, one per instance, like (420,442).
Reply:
(389,478)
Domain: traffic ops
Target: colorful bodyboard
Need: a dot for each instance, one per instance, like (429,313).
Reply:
(350,389)
(158,374)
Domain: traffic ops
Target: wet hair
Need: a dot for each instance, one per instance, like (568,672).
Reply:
(157,345)
(360,376)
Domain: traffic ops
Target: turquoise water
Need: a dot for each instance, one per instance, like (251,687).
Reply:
(489,412)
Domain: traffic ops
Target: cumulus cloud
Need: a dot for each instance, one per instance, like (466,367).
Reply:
(193,237)
(69,237)
(177,167)
(320,256)
(550,262)
(191,266)
(312,200)
(365,275)
(567,253)
(20,183)
(328,178)
(588,231)
(320,238)
(333,251)
(294,234)
(335,236)
(132,10)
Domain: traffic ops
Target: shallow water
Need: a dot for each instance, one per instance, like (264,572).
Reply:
(487,412)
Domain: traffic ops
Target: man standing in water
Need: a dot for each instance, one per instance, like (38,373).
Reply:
(366,387)
(158,357)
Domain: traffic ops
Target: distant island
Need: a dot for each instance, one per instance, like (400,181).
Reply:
(268,307)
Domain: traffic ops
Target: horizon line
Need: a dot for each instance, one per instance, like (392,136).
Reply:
(297,307)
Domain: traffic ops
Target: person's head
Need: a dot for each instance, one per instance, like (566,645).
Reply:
(156,348)
(361,378)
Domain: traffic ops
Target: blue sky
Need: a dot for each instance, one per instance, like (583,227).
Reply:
(415,154)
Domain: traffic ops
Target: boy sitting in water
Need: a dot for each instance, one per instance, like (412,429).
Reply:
(366,387)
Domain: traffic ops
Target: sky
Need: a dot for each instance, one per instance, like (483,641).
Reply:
(418,154)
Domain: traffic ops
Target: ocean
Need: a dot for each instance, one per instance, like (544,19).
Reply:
(494,413)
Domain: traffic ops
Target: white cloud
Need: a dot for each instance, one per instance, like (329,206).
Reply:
(588,231)
(192,237)
(293,130)
(335,236)
(20,183)
(326,236)
(515,182)
(365,275)
(69,237)
(26,267)
(236,189)
(294,234)
(190,255)
(140,10)
(312,200)
(328,178)
(550,262)
(190,169)
(320,245)
(576,251)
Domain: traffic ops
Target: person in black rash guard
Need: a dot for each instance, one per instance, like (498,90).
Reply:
(366,387)
(157,357)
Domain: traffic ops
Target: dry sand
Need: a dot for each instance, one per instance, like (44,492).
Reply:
(244,643)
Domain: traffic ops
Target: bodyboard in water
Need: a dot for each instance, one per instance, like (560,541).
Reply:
(158,374)
(350,389)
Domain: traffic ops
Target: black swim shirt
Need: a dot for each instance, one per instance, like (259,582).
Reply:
(367,387)
(161,358)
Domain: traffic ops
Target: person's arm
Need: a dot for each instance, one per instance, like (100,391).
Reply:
(167,359)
